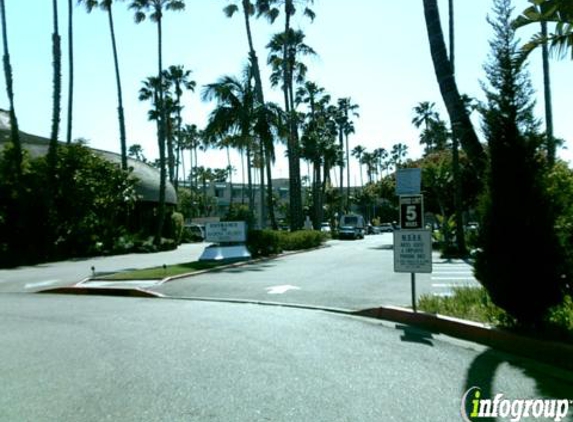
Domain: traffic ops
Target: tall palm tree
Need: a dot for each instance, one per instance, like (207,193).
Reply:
(106,5)
(460,121)
(382,156)
(178,79)
(270,9)
(57,88)
(287,72)
(70,70)
(155,9)
(347,110)
(14,130)
(357,152)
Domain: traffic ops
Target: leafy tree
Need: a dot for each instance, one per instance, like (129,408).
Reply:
(346,110)
(398,153)
(516,209)
(106,5)
(136,151)
(459,119)
(155,9)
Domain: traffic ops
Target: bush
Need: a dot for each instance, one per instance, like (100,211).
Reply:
(263,243)
(304,239)
(177,225)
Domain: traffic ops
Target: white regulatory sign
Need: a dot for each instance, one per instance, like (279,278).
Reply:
(412,251)
(228,231)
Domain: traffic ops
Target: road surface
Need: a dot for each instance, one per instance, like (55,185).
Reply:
(72,358)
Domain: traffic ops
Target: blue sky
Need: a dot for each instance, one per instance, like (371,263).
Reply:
(374,51)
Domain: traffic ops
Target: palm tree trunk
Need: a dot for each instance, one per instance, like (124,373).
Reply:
(57,90)
(460,121)
(551,152)
(458,202)
(347,173)
(70,69)
(250,180)
(341,180)
(161,139)
(120,114)
(14,130)
(263,216)
(230,167)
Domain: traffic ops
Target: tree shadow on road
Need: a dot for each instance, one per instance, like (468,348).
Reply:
(551,382)
(415,335)
(254,267)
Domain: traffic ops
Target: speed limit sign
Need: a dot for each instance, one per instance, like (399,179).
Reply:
(411,212)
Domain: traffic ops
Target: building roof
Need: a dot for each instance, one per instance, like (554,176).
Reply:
(147,186)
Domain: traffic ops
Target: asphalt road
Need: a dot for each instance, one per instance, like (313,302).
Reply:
(64,273)
(345,274)
(69,358)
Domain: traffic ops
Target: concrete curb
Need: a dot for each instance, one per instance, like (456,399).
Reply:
(551,352)
(103,291)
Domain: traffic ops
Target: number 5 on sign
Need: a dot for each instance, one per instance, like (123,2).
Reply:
(411,212)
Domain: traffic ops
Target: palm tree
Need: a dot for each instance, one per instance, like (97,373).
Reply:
(559,12)
(424,114)
(57,88)
(288,71)
(14,131)
(70,69)
(347,110)
(460,122)
(233,116)
(398,153)
(155,10)
(370,160)
(267,149)
(178,78)
(106,5)
(357,153)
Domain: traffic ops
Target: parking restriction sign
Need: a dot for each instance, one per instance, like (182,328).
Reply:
(411,212)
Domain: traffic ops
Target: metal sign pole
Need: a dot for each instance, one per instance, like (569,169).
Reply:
(414,292)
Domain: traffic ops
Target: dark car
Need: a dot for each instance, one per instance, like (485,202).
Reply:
(386,228)
(350,232)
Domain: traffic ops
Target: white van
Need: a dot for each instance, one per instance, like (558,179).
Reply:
(351,226)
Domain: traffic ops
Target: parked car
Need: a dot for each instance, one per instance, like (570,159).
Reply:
(350,232)
(325,227)
(194,232)
(386,228)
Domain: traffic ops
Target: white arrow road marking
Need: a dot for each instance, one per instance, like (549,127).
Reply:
(279,290)
(40,284)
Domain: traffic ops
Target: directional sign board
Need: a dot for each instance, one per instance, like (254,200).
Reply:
(408,181)
(412,251)
(411,212)
(228,231)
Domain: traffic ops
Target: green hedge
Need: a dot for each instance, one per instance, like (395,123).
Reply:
(271,242)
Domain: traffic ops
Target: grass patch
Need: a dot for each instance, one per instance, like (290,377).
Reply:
(474,304)
(469,303)
(160,272)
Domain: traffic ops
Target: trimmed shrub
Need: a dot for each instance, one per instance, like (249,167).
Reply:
(303,239)
(263,243)
(177,224)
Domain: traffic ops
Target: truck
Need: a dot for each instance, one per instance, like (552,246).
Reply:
(351,226)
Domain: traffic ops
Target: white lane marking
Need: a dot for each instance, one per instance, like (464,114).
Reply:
(40,284)
(452,272)
(448,285)
(454,278)
(279,290)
